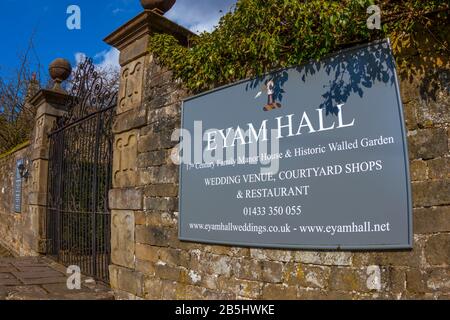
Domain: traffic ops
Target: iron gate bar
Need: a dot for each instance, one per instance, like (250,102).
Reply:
(79,120)
(78,220)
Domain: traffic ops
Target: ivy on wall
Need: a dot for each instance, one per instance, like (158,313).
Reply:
(261,35)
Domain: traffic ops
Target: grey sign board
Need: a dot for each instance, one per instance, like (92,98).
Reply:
(325,164)
(18,188)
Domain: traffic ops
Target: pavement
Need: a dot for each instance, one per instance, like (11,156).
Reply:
(39,278)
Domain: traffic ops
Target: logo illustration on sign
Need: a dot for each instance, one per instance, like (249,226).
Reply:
(334,136)
(269,88)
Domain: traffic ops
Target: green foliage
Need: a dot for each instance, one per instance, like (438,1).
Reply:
(13,150)
(262,35)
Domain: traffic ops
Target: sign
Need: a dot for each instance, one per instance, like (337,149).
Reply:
(18,188)
(309,157)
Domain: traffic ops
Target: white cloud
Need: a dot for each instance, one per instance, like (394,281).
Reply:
(117,11)
(108,59)
(79,57)
(199,15)
(105,60)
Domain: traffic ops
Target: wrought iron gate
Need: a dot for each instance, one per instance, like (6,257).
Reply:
(80,167)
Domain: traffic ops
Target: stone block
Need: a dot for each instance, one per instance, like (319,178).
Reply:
(419,170)
(415,281)
(439,168)
(156,236)
(153,288)
(247,269)
(437,250)
(140,218)
(161,219)
(439,280)
(161,190)
(279,292)
(432,220)
(134,50)
(241,288)
(159,175)
(166,272)
(126,296)
(306,294)
(274,255)
(409,91)
(161,79)
(168,114)
(306,276)
(431,193)
(157,141)
(174,257)
(122,238)
(396,286)
(219,265)
(38,184)
(40,143)
(147,253)
(37,220)
(125,172)
(348,279)
(434,111)
(428,143)
(164,124)
(145,267)
(407,258)
(324,258)
(161,204)
(271,271)
(410,115)
(127,280)
(170,290)
(131,119)
(153,158)
(131,85)
(125,199)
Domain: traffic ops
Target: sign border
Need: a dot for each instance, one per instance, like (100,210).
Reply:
(377,247)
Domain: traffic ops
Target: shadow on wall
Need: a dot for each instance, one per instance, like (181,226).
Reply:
(352,71)
(425,62)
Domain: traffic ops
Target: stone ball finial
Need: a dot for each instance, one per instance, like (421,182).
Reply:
(158,5)
(60,70)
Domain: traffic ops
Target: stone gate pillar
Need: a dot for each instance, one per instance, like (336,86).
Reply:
(134,114)
(49,105)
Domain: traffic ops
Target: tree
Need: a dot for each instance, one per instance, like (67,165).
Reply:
(261,35)
(16,114)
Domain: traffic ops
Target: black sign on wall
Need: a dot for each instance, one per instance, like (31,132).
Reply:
(18,188)
(313,156)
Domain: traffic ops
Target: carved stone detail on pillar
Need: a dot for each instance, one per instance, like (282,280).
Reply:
(122,238)
(38,139)
(125,159)
(38,219)
(40,145)
(131,84)
(38,187)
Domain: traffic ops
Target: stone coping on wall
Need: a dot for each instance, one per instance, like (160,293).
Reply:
(17,148)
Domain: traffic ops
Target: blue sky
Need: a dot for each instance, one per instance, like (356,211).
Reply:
(19,19)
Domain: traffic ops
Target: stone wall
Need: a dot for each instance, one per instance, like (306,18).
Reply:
(16,229)
(150,262)
(25,234)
